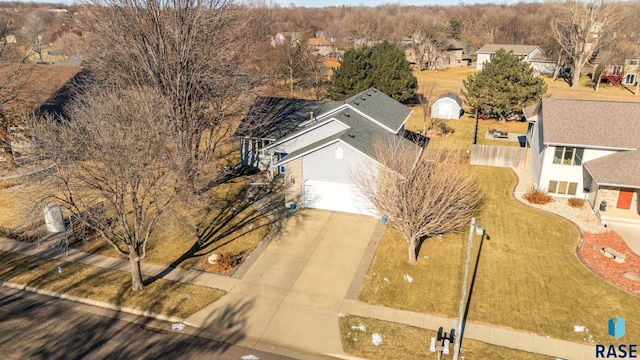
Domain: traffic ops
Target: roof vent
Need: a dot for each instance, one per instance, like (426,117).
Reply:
(352,136)
(368,94)
(357,103)
(346,114)
(363,99)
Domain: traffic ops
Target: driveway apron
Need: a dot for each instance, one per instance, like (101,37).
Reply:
(292,293)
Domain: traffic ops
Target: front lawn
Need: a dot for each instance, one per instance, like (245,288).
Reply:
(90,282)
(407,342)
(529,276)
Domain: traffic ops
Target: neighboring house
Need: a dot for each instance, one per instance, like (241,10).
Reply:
(314,146)
(448,106)
(530,53)
(322,46)
(622,69)
(451,55)
(55,104)
(588,149)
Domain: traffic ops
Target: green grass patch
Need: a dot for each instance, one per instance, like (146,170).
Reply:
(161,296)
(529,276)
(408,342)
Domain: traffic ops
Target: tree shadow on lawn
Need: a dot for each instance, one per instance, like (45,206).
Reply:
(239,216)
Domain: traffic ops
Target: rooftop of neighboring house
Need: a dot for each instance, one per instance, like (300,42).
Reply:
(319,42)
(517,49)
(591,123)
(618,169)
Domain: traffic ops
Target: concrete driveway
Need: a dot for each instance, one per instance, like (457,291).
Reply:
(292,293)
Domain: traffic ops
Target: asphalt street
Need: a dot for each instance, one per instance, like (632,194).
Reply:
(34,326)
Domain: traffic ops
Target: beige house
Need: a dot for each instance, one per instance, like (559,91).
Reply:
(619,69)
(530,53)
(589,149)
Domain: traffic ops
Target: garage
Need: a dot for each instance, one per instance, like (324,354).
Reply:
(335,196)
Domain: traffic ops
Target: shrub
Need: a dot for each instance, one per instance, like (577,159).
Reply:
(537,196)
(575,202)
(445,129)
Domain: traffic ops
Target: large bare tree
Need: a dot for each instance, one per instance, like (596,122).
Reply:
(14,74)
(194,52)
(585,27)
(115,166)
(421,194)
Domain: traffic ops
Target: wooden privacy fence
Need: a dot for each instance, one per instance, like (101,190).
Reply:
(492,155)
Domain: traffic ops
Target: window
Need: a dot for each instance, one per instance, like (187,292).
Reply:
(562,187)
(633,62)
(568,155)
(630,79)
(617,69)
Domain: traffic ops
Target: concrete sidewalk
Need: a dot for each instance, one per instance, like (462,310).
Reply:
(289,300)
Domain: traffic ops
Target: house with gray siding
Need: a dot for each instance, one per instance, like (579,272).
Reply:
(315,146)
(531,54)
(588,149)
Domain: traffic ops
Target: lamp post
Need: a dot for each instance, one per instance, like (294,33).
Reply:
(456,348)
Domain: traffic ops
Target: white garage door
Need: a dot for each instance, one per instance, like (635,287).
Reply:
(336,197)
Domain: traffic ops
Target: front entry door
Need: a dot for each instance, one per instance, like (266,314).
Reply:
(624,199)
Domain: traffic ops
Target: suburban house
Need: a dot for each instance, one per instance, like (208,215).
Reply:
(530,53)
(618,69)
(315,146)
(322,47)
(588,149)
(448,106)
(451,54)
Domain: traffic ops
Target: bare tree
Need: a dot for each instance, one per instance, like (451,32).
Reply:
(14,73)
(194,52)
(585,28)
(426,97)
(421,194)
(115,166)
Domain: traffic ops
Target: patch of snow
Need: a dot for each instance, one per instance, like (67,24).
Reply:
(578,328)
(249,357)
(359,327)
(385,279)
(408,278)
(177,326)
(376,339)
(59,269)
(341,315)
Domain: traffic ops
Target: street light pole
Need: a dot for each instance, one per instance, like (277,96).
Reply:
(456,348)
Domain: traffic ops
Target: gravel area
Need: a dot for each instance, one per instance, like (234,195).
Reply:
(584,217)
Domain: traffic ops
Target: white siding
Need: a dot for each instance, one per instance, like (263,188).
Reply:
(321,132)
(482,58)
(534,137)
(445,103)
(568,173)
(323,165)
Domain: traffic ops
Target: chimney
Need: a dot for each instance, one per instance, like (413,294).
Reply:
(311,118)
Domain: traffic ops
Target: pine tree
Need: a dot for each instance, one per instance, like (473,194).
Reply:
(353,75)
(503,87)
(391,72)
(385,68)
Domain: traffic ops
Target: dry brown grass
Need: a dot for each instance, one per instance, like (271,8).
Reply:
(161,296)
(408,342)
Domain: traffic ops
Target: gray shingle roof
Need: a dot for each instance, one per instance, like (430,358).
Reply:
(380,107)
(273,118)
(452,96)
(590,123)
(619,169)
(361,135)
(517,49)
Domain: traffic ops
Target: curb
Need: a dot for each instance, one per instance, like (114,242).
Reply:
(98,303)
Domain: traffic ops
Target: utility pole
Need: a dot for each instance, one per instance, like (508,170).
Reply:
(456,348)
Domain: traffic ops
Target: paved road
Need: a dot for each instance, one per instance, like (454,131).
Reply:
(39,327)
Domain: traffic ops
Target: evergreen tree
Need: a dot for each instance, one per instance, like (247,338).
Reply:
(385,68)
(353,75)
(391,72)
(503,87)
